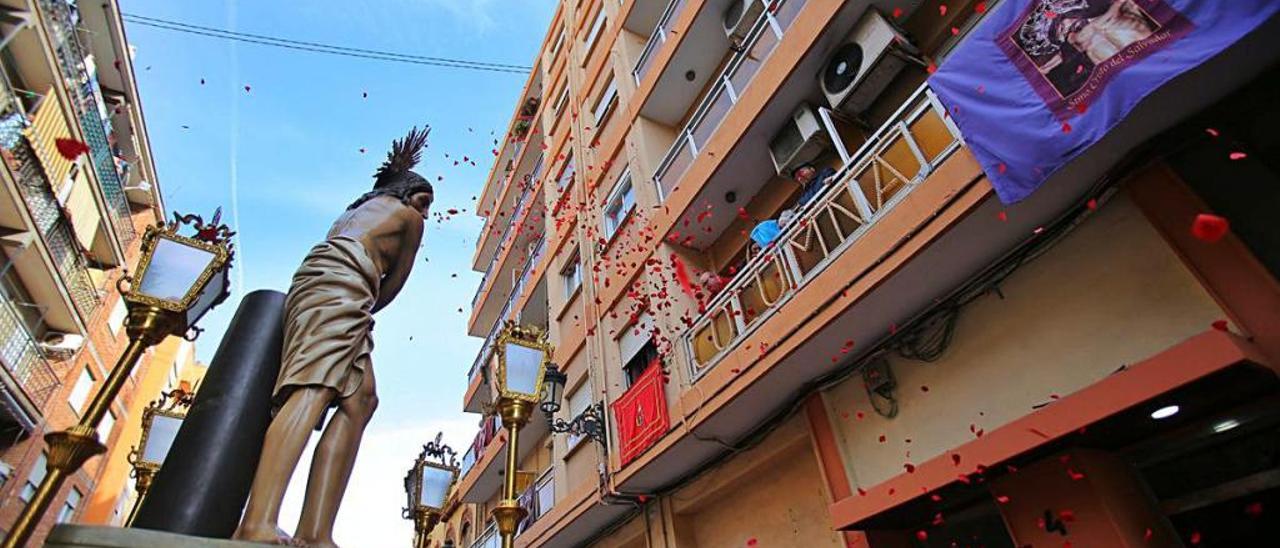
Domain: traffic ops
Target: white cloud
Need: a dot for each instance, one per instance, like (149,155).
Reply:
(370,513)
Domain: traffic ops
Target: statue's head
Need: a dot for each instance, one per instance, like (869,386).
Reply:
(395,177)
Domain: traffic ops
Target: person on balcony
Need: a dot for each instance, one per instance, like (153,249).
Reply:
(812,180)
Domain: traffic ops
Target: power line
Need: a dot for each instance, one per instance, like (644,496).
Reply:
(317,47)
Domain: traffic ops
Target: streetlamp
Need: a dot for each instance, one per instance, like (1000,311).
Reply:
(160,423)
(589,423)
(180,278)
(427,486)
(523,355)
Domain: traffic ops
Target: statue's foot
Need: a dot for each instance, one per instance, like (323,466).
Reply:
(264,534)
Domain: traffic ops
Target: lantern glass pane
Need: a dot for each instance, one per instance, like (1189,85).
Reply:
(435,486)
(523,364)
(209,296)
(160,438)
(173,270)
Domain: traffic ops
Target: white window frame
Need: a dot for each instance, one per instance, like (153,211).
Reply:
(605,103)
(562,100)
(593,35)
(115,320)
(79,395)
(571,275)
(568,167)
(34,478)
(69,505)
(578,401)
(106,426)
(617,208)
(559,43)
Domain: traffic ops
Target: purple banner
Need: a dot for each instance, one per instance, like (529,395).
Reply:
(1039,81)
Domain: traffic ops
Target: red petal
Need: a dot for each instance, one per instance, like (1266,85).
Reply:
(70,148)
(1209,227)
(1220,325)
(1237,155)
(980,7)
(897,12)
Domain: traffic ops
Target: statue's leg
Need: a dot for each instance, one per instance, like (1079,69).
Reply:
(286,438)
(332,463)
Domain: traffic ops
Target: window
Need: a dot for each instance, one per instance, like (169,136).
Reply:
(116,319)
(34,478)
(571,275)
(579,401)
(104,428)
(6,472)
(80,392)
(604,105)
(566,173)
(69,507)
(561,101)
(621,201)
(555,48)
(589,43)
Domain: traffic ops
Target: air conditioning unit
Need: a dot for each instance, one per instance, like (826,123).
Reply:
(61,345)
(865,63)
(739,18)
(801,140)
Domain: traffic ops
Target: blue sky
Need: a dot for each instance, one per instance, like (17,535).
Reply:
(284,158)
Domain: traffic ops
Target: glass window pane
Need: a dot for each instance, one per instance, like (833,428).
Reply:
(669,179)
(523,364)
(435,486)
(160,438)
(716,112)
(173,270)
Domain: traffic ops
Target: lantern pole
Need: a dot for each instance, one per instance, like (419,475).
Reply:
(515,410)
(148,323)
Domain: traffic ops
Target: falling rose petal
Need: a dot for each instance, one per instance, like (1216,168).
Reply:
(1082,107)
(897,12)
(1253,510)
(1209,227)
(246,89)
(1220,325)
(882,438)
(862,492)
(70,148)
(1092,204)
(1146,535)
(1001,168)
(1237,155)
(452,211)
(364,95)
(955,459)
(980,7)
(932,68)
(942,9)
(1195,538)
(361,150)
(1002,216)
(202,81)
(1066,128)
(910,468)
(922,536)
(751,541)
(1002,499)
(1212,132)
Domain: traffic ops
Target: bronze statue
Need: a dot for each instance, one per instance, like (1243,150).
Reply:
(354,273)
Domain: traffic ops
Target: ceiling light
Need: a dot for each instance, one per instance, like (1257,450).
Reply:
(1225,425)
(1164,412)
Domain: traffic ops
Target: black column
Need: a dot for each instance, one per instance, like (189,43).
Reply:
(204,483)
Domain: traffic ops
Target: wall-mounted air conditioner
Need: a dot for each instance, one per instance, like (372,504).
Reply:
(739,17)
(801,140)
(865,63)
(61,345)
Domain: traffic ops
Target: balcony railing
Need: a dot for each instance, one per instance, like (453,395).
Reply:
(537,500)
(54,227)
(22,356)
(60,23)
(505,314)
(507,233)
(488,430)
(766,33)
(488,539)
(892,162)
(656,40)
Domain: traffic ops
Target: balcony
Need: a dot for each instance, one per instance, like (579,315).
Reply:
(889,165)
(538,499)
(488,430)
(475,376)
(52,224)
(75,65)
(764,36)
(488,539)
(522,202)
(661,31)
(30,380)
(483,479)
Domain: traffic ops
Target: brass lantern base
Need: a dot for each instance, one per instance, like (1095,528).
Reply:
(69,448)
(515,413)
(508,513)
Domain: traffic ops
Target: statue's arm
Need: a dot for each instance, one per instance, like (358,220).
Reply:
(394,281)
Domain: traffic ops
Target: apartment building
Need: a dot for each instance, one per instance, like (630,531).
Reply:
(71,222)
(886,348)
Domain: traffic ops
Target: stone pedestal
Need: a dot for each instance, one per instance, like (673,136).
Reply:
(96,536)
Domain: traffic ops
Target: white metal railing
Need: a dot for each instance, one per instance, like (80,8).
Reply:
(656,40)
(483,355)
(521,203)
(488,539)
(468,460)
(884,169)
(766,33)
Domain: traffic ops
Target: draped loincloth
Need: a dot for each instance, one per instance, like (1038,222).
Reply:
(328,332)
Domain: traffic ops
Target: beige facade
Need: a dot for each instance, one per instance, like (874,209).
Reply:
(69,225)
(882,373)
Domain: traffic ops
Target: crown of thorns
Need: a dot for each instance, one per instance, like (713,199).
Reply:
(1036,35)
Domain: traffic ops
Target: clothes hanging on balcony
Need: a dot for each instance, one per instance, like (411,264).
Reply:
(11,126)
(765,232)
